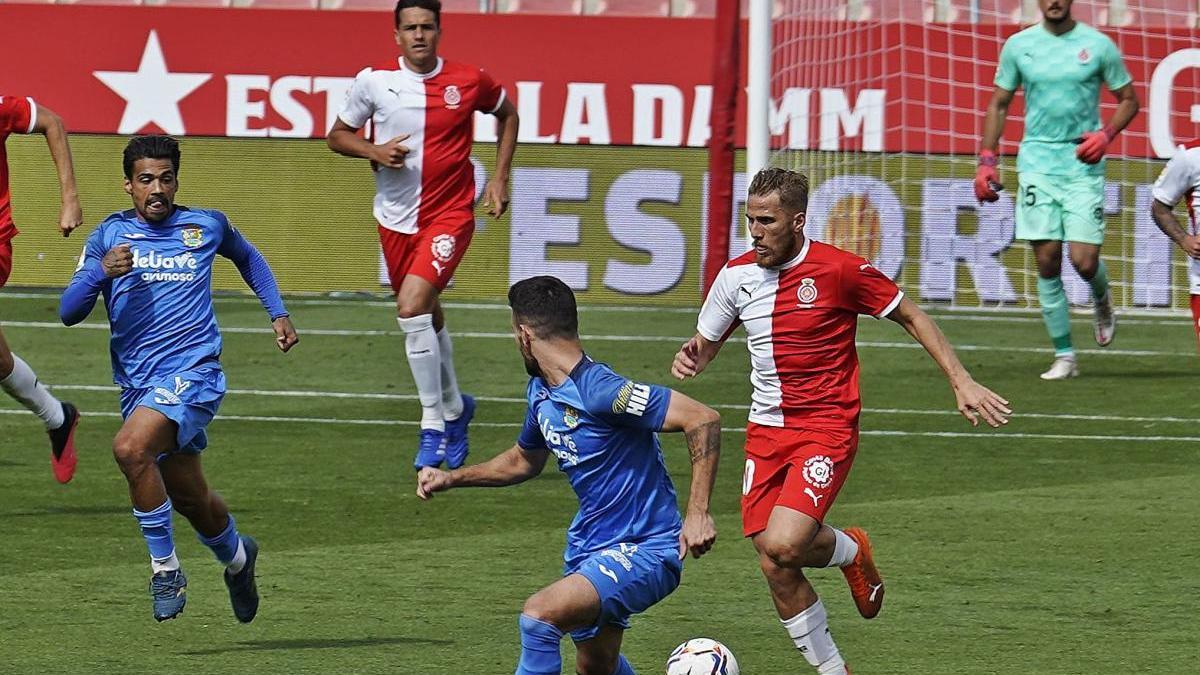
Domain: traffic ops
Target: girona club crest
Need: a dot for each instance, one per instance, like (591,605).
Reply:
(818,471)
(452,96)
(443,247)
(808,291)
(1085,57)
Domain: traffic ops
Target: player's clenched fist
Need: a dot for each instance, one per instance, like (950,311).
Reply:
(285,333)
(698,535)
(117,262)
(391,153)
(987,181)
(431,480)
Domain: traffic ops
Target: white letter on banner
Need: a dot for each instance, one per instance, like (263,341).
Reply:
(585,100)
(699,130)
(831,195)
(654,235)
(867,117)
(942,247)
(792,116)
(534,227)
(1162,85)
(529,108)
(290,109)
(1151,255)
(646,98)
(335,90)
(238,108)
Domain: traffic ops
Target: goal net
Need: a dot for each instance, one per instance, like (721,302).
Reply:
(881,103)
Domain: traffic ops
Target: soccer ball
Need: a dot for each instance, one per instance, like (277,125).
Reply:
(702,656)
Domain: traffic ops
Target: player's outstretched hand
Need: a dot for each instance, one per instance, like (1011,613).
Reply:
(976,400)
(285,333)
(431,480)
(687,360)
(698,534)
(70,216)
(117,262)
(495,197)
(391,153)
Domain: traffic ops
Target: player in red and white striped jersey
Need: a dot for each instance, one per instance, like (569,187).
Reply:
(1180,180)
(22,115)
(799,301)
(425,200)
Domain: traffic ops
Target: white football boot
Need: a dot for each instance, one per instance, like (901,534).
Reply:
(1106,321)
(1064,367)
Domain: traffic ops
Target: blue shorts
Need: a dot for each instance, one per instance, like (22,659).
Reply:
(629,579)
(189,399)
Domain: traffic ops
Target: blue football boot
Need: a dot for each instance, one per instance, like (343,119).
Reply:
(243,592)
(457,444)
(169,592)
(432,449)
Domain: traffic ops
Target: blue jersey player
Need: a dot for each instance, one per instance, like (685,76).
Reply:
(626,545)
(153,263)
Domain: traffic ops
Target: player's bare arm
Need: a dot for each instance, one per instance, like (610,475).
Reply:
(987,178)
(515,465)
(344,140)
(701,426)
(694,356)
(1094,144)
(1164,217)
(50,125)
(973,399)
(495,194)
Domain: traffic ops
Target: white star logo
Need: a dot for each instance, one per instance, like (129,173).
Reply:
(152,94)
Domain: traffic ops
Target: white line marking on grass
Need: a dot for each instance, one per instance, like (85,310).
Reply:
(619,338)
(982,435)
(285,393)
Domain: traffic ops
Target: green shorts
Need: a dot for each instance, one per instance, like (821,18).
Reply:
(1060,208)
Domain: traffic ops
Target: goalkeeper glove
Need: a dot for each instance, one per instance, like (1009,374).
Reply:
(1093,144)
(987,181)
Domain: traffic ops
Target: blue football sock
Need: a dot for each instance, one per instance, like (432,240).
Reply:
(156,528)
(224,545)
(539,648)
(623,667)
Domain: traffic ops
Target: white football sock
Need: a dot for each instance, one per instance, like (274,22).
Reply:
(22,384)
(810,631)
(844,549)
(452,402)
(421,345)
(239,558)
(164,564)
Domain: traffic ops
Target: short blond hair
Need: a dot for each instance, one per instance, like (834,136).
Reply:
(792,187)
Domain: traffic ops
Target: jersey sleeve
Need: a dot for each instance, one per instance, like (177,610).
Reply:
(531,435)
(866,290)
(359,106)
(18,114)
(88,281)
(622,402)
(1114,71)
(1174,181)
(1008,75)
(491,94)
(719,314)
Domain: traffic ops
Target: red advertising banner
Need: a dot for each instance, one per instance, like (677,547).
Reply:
(577,80)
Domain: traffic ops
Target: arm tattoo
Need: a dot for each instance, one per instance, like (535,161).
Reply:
(704,440)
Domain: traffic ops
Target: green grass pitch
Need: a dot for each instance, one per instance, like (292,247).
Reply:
(1065,543)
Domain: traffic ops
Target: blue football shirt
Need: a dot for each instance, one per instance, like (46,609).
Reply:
(601,429)
(161,313)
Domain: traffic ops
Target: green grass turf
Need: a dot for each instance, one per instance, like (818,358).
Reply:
(1002,553)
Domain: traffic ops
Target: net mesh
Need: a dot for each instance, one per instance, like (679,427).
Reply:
(881,103)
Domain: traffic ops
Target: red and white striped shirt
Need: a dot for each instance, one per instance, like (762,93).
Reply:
(18,115)
(436,109)
(800,319)
(1180,179)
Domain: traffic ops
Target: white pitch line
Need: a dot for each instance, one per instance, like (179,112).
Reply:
(284,393)
(614,338)
(729,430)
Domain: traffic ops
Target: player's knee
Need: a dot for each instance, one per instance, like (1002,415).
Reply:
(131,456)
(778,553)
(1086,267)
(536,608)
(6,364)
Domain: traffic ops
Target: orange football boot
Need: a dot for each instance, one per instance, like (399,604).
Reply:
(865,583)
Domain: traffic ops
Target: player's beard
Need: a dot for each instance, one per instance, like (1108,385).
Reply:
(531,364)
